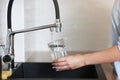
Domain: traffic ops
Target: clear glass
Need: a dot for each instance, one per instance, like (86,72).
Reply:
(57,49)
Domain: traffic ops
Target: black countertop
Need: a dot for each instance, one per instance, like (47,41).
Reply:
(43,71)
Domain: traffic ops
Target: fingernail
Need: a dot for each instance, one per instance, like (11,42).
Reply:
(53,67)
(57,70)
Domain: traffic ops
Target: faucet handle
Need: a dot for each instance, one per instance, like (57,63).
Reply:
(58,25)
(7,59)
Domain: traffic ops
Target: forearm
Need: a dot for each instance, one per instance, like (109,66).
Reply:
(105,56)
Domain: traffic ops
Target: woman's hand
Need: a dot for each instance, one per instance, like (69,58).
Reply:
(69,62)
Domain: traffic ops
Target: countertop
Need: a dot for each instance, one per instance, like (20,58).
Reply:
(43,67)
(108,70)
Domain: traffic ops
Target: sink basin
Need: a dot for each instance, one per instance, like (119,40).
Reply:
(44,71)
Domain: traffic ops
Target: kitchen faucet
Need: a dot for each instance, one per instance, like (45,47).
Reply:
(9,47)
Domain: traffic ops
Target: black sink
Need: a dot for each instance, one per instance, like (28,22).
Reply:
(44,71)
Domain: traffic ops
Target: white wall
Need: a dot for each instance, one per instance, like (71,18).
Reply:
(3,22)
(17,23)
(86,24)
(29,12)
(37,13)
(3,6)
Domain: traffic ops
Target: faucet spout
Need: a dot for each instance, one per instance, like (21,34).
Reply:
(59,25)
(58,22)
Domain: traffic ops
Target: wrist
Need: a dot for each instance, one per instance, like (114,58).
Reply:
(82,60)
(86,59)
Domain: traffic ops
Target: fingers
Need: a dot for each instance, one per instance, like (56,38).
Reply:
(60,60)
(61,64)
(69,62)
(61,68)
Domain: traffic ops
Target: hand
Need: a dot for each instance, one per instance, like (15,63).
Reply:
(69,62)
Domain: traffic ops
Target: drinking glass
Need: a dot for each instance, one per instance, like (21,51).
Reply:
(57,49)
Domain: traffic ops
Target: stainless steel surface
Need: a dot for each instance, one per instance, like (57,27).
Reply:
(33,29)
(8,41)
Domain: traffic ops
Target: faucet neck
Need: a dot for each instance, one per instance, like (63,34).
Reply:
(9,14)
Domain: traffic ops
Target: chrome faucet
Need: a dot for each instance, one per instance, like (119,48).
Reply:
(9,47)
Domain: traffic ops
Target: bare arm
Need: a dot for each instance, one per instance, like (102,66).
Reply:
(78,60)
(105,56)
